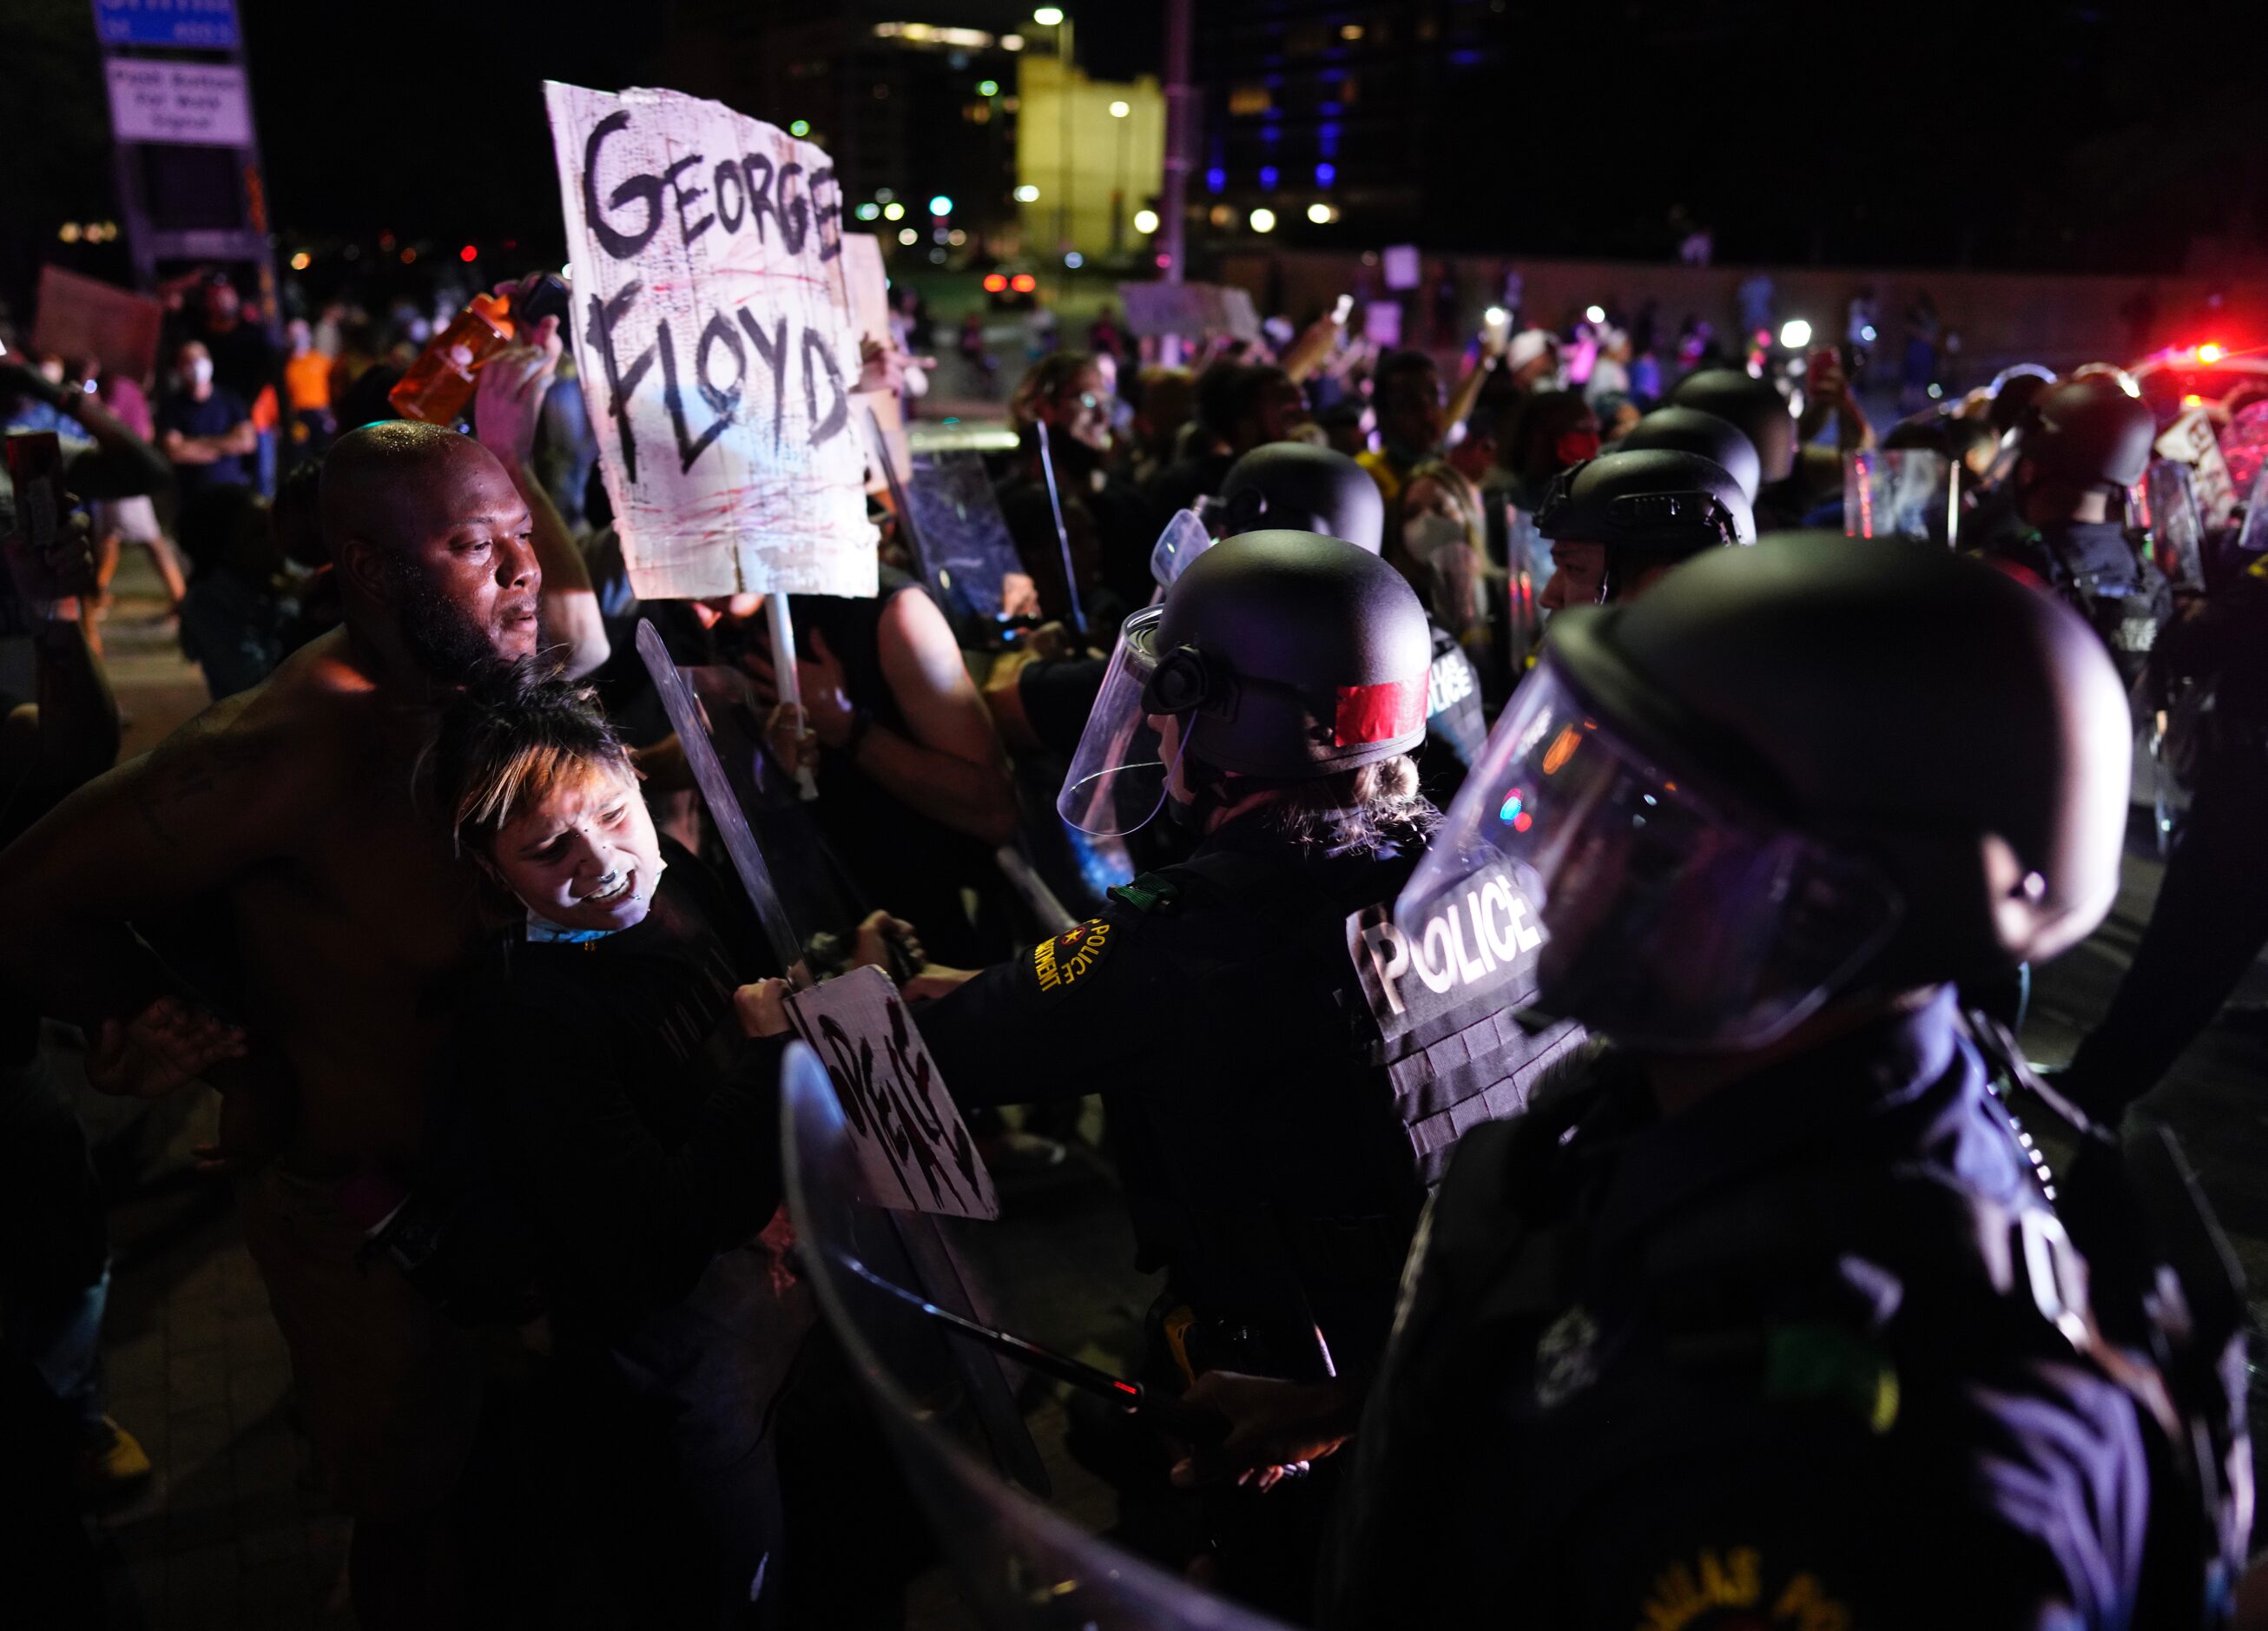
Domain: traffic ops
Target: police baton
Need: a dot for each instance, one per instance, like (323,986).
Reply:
(1159,1412)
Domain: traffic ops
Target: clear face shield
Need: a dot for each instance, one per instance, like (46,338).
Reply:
(1118,774)
(1901,492)
(1679,920)
(1183,539)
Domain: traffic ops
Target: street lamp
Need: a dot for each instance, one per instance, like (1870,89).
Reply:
(1048,15)
(1118,112)
(1263,219)
(1146,221)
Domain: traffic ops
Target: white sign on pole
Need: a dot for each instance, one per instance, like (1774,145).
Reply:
(186,104)
(915,1153)
(712,328)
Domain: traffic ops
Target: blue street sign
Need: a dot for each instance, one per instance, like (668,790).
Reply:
(207,24)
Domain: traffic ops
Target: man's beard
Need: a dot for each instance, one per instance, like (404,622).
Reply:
(447,643)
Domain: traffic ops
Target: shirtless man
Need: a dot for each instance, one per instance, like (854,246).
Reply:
(291,807)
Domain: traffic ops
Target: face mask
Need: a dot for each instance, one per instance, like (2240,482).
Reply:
(1423,534)
(200,372)
(1576,446)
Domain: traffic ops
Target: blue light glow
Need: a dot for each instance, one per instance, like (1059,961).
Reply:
(1325,173)
(1216,180)
(1268,175)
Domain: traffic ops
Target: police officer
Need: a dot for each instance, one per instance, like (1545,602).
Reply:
(2212,912)
(2080,446)
(1619,521)
(1694,430)
(1274,1104)
(1761,1314)
(1753,405)
(1289,485)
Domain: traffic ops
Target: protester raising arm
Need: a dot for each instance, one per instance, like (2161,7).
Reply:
(119,465)
(506,409)
(948,763)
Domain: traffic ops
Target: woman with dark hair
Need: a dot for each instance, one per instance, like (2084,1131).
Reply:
(624,1134)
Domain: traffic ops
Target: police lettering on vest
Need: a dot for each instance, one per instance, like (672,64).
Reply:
(1446,1000)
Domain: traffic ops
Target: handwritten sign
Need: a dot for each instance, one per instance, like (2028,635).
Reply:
(85,317)
(915,1153)
(1190,309)
(2190,441)
(713,331)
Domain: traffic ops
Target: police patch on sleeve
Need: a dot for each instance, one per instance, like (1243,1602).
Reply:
(1719,1590)
(1071,956)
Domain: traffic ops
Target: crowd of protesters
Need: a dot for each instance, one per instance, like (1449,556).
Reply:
(427,894)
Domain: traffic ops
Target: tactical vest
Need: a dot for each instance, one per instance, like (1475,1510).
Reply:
(1432,1045)
(2119,1268)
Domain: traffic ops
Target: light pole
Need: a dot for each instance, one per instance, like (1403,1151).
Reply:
(1054,16)
(1119,112)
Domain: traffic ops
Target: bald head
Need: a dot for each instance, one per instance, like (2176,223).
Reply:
(433,543)
(393,482)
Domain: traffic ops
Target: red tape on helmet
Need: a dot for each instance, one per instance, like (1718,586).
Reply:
(1369,713)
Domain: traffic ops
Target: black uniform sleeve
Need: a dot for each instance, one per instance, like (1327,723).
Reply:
(636,1221)
(1073,1015)
(2020,1503)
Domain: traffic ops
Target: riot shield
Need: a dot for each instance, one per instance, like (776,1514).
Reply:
(960,543)
(1020,1565)
(1903,492)
(2176,528)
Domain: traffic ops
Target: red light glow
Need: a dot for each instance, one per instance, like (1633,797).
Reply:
(2211,352)
(1023,283)
(468,252)
(995,284)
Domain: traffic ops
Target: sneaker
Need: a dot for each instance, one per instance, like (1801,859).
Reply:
(112,1462)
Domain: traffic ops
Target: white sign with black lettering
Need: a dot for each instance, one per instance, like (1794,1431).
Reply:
(713,329)
(1480,941)
(180,104)
(915,1152)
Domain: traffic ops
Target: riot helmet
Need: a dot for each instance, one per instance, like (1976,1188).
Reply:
(1276,656)
(1291,486)
(1738,798)
(1753,405)
(1694,430)
(2088,434)
(1651,507)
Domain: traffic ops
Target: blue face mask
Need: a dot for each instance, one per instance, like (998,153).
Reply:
(542,930)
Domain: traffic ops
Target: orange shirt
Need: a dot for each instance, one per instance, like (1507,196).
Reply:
(307,377)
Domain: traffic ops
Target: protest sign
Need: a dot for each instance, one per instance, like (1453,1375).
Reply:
(869,288)
(81,317)
(915,1153)
(713,332)
(2190,441)
(1190,309)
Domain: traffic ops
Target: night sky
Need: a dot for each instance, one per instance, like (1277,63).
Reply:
(2014,133)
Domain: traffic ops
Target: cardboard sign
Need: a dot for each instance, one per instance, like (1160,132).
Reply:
(79,317)
(184,104)
(1190,309)
(1402,266)
(2190,441)
(869,289)
(713,331)
(915,1153)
